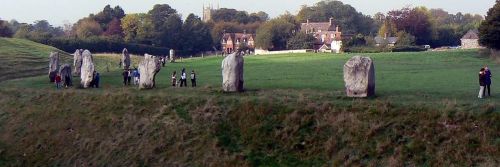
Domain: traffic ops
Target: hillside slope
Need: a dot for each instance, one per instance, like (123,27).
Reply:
(23,58)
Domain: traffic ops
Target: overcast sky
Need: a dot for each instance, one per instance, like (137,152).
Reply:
(58,12)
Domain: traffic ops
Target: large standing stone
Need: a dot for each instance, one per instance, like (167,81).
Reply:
(53,65)
(66,75)
(148,69)
(359,77)
(125,59)
(77,62)
(232,73)
(172,56)
(87,71)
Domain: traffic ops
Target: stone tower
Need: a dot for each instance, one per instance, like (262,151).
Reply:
(207,13)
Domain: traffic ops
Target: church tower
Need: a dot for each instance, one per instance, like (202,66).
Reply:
(207,13)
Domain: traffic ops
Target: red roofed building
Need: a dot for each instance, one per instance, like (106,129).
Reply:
(232,41)
(327,34)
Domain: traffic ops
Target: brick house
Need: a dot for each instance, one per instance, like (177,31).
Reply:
(327,34)
(471,40)
(232,41)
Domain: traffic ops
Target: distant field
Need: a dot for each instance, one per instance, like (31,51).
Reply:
(423,76)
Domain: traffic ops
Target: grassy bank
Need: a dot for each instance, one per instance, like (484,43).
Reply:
(205,127)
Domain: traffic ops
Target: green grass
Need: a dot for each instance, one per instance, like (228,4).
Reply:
(21,58)
(294,113)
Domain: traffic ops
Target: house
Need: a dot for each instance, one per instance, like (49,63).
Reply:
(327,34)
(389,41)
(471,40)
(233,41)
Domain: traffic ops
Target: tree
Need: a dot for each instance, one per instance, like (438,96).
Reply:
(23,31)
(196,35)
(137,28)
(87,27)
(301,40)
(275,33)
(415,21)
(489,31)
(344,15)
(405,39)
(114,28)
(170,33)
(159,15)
(5,30)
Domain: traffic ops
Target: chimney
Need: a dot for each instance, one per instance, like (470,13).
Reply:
(307,21)
(337,29)
(245,32)
(385,35)
(331,21)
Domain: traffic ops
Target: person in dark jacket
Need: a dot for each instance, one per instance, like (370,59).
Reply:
(193,79)
(97,77)
(125,77)
(481,83)
(487,81)
(183,78)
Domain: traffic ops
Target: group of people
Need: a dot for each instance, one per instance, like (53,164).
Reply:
(484,82)
(58,80)
(128,74)
(183,79)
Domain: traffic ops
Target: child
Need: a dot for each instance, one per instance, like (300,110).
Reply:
(174,79)
(58,81)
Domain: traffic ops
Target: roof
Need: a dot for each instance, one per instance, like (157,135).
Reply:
(323,26)
(471,34)
(234,36)
(390,40)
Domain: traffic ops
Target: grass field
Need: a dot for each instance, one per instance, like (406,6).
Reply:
(22,58)
(294,113)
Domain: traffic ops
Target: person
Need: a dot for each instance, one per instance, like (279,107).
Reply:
(174,78)
(125,77)
(58,81)
(129,76)
(193,79)
(97,77)
(487,81)
(163,61)
(136,76)
(67,81)
(481,83)
(183,77)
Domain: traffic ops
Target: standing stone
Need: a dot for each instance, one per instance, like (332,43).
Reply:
(66,75)
(148,69)
(232,73)
(77,62)
(87,71)
(172,56)
(359,77)
(125,59)
(53,65)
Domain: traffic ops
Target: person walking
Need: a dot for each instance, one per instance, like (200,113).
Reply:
(174,78)
(487,81)
(125,77)
(193,79)
(58,81)
(481,83)
(183,77)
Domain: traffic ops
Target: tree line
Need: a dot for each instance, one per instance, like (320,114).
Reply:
(162,28)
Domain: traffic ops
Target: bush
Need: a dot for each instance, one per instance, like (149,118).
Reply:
(100,45)
(408,49)
(366,49)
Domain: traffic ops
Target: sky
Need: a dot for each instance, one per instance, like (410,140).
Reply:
(59,12)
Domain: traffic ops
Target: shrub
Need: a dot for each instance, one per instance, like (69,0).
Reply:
(408,49)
